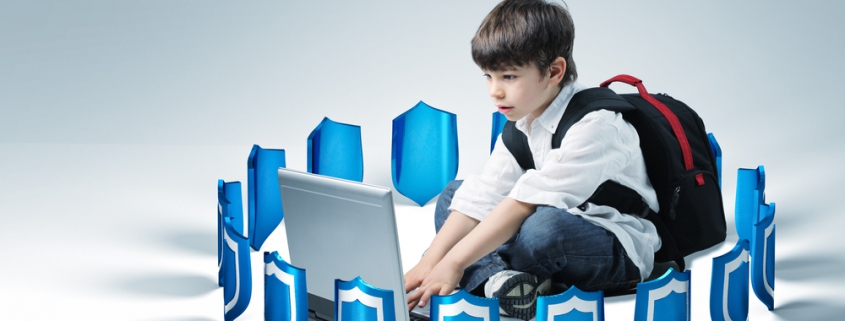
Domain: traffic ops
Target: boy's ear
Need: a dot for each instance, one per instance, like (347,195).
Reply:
(556,70)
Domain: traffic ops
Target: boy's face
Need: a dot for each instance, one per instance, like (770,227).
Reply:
(521,91)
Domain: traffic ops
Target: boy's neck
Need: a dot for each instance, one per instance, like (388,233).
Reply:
(553,93)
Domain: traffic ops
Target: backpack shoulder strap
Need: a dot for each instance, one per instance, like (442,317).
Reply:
(517,144)
(609,193)
(584,102)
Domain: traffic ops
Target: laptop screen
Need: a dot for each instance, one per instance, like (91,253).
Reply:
(339,229)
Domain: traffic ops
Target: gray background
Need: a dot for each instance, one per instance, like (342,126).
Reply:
(118,118)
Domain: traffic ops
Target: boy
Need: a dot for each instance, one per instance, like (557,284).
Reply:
(512,234)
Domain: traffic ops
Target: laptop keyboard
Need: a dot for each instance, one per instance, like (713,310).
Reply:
(413,316)
(418,317)
(313,316)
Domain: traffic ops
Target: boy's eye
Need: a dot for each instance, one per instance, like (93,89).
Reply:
(487,76)
(509,77)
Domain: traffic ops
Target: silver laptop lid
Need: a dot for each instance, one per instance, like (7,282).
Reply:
(339,229)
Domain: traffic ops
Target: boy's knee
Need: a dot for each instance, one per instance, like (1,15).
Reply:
(547,224)
(451,187)
(445,198)
(441,211)
(545,217)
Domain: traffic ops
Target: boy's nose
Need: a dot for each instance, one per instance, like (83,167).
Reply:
(496,92)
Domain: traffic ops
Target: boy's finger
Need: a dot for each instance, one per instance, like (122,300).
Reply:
(411,303)
(445,291)
(409,286)
(412,298)
(424,298)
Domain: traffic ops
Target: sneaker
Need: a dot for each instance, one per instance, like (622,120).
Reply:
(517,292)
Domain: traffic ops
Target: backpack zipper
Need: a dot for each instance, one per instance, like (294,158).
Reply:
(675,198)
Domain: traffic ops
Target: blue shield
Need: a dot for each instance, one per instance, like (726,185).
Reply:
(334,149)
(666,298)
(424,157)
(462,306)
(750,186)
(229,204)
(237,273)
(355,300)
(285,291)
(763,256)
(221,202)
(717,153)
(571,305)
(499,121)
(729,285)
(265,199)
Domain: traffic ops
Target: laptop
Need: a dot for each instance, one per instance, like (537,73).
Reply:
(340,229)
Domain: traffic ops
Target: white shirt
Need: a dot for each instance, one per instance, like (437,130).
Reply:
(599,147)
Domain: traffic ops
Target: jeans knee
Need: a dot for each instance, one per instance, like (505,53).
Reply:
(545,226)
(441,211)
(451,187)
(549,233)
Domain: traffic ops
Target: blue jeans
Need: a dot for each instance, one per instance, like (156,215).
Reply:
(552,243)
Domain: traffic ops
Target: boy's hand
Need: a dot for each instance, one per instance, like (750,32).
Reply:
(442,280)
(414,277)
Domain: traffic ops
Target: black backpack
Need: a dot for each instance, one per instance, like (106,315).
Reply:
(678,158)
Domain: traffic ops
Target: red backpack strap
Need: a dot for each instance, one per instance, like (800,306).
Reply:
(670,116)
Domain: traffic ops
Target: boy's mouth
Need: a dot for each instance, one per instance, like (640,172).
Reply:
(504,109)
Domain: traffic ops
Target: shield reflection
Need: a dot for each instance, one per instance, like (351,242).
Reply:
(499,121)
(729,284)
(237,277)
(355,300)
(573,304)
(424,154)
(265,200)
(717,154)
(666,298)
(750,186)
(229,204)
(334,149)
(462,306)
(763,256)
(285,290)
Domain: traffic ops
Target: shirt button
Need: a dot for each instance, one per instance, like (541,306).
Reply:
(557,157)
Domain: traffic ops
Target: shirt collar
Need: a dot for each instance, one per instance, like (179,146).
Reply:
(550,118)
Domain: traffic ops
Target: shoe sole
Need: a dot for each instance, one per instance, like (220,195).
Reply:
(518,296)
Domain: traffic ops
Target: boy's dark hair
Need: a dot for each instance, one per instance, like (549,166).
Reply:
(518,32)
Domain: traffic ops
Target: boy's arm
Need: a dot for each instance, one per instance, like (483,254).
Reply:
(457,226)
(499,226)
(479,195)
(481,192)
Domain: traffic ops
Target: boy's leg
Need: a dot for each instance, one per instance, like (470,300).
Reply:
(478,272)
(555,243)
(441,210)
(552,243)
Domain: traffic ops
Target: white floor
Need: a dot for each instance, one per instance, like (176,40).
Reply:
(127,232)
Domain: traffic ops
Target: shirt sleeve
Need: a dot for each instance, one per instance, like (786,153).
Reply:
(595,149)
(482,191)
